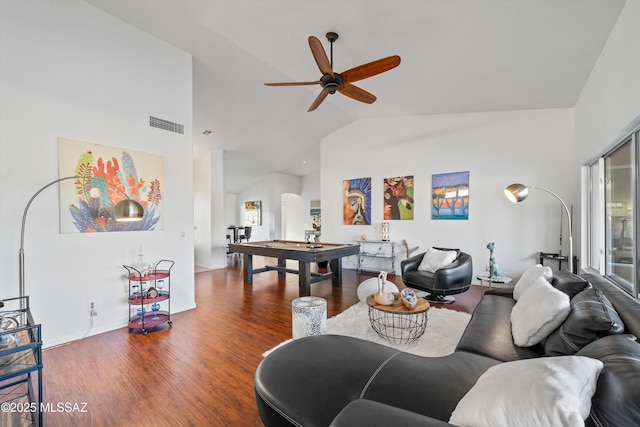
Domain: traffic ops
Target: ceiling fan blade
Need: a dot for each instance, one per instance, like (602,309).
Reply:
(356,93)
(318,100)
(320,56)
(371,69)
(293,83)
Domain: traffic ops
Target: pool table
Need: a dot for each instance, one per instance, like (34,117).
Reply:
(304,253)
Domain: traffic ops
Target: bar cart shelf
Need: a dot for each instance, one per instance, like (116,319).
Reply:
(149,296)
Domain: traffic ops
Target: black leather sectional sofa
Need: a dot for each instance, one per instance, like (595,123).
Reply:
(334,380)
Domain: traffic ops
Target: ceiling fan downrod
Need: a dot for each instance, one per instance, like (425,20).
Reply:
(331,36)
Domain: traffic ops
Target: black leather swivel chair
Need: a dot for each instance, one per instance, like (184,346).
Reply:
(455,278)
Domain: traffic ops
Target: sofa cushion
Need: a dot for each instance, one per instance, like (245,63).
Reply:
(528,277)
(569,283)
(489,331)
(548,392)
(617,398)
(424,384)
(538,312)
(592,316)
(434,259)
(363,412)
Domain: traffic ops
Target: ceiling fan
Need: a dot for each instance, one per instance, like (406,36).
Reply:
(332,82)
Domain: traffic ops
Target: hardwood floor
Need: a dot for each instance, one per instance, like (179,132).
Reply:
(199,371)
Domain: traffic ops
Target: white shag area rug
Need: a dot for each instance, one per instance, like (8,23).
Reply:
(444,329)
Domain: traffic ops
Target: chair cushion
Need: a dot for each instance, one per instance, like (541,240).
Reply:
(538,312)
(434,259)
(592,316)
(457,251)
(528,277)
(543,392)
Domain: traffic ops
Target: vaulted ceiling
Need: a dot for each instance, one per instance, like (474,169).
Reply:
(458,56)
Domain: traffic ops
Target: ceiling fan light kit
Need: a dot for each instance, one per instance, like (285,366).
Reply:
(333,82)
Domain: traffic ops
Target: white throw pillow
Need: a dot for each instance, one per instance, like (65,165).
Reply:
(435,259)
(546,391)
(529,276)
(538,312)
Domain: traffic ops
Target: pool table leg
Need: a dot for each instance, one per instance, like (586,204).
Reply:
(282,263)
(336,269)
(304,279)
(248,268)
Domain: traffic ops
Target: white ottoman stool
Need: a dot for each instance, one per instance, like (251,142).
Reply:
(309,317)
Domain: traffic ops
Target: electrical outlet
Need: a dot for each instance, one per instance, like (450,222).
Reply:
(93,312)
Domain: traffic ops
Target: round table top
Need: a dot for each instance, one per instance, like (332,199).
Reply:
(398,308)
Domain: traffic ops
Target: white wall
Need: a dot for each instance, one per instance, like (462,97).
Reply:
(295,217)
(298,206)
(210,243)
(498,148)
(611,97)
(269,192)
(311,186)
(609,101)
(230,209)
(70,70)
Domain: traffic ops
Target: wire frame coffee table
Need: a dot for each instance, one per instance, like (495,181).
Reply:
(396,323)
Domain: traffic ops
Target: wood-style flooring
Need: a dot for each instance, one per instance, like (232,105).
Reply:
(199,371)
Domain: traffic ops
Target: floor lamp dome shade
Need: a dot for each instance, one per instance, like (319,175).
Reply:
(516,192)
(128,210)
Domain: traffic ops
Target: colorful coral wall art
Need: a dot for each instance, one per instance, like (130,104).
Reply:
(105,176)
(398,198)
(357,201)
(450,196)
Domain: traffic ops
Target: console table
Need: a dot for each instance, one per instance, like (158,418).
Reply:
(385,250)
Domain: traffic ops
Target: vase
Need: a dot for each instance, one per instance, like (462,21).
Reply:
(383,297)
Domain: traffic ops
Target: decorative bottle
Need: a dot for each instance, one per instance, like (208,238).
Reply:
(383,297)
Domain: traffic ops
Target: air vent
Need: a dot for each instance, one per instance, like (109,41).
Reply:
(157,123)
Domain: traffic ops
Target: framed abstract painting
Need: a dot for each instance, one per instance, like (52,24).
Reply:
(253,213)
(357,201)
(398,198)
(450,196)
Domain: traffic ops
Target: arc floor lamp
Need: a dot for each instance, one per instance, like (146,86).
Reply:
(125,210)
(519,192)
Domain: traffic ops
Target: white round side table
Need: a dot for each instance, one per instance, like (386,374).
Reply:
(309,317)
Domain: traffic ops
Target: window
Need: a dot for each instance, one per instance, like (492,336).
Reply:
(613,193)
(619,196)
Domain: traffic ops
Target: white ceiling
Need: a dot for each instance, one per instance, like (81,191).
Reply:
(457,56)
